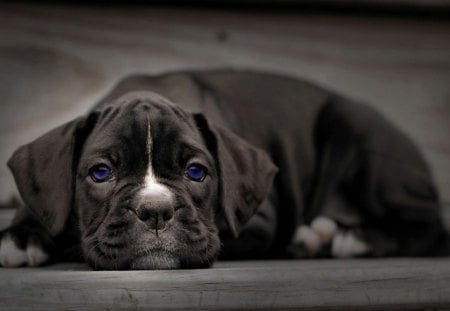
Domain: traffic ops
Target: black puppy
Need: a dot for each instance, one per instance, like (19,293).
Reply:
(170,171)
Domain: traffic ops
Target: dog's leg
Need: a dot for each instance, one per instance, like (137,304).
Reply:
(25,243)
(401,206)
(398,211)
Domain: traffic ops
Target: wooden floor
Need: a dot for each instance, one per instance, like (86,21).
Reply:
(401,284)
(56,61)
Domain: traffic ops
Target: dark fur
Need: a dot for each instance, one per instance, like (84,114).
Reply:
(333,157)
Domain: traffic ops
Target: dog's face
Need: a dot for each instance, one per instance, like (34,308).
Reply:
(147,181)
(148,178)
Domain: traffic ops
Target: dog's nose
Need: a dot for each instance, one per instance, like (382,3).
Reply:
(156,216)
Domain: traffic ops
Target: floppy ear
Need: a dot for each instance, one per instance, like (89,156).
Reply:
(44,171)
(245,173)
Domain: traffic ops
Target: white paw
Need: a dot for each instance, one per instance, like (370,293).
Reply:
(36,256)
(11,256)
(325,227)
(346,245)
(313,237)
(310,239)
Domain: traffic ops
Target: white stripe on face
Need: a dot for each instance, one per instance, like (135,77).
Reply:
(152,188)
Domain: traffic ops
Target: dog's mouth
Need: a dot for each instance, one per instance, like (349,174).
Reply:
(149,251)
(124,243)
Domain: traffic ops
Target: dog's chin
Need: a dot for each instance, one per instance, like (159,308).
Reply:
(155,261)
(158,260)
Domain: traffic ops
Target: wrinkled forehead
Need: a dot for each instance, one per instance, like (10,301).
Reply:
(139,121)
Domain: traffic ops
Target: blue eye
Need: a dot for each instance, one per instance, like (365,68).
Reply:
(100,173)
(196,172)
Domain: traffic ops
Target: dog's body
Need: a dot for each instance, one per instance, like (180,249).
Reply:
(166,168)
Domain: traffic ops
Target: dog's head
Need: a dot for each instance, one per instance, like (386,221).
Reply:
(148,182)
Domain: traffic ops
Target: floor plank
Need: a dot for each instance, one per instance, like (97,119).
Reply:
(406,284)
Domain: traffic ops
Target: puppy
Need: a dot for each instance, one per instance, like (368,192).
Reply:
(172,171)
